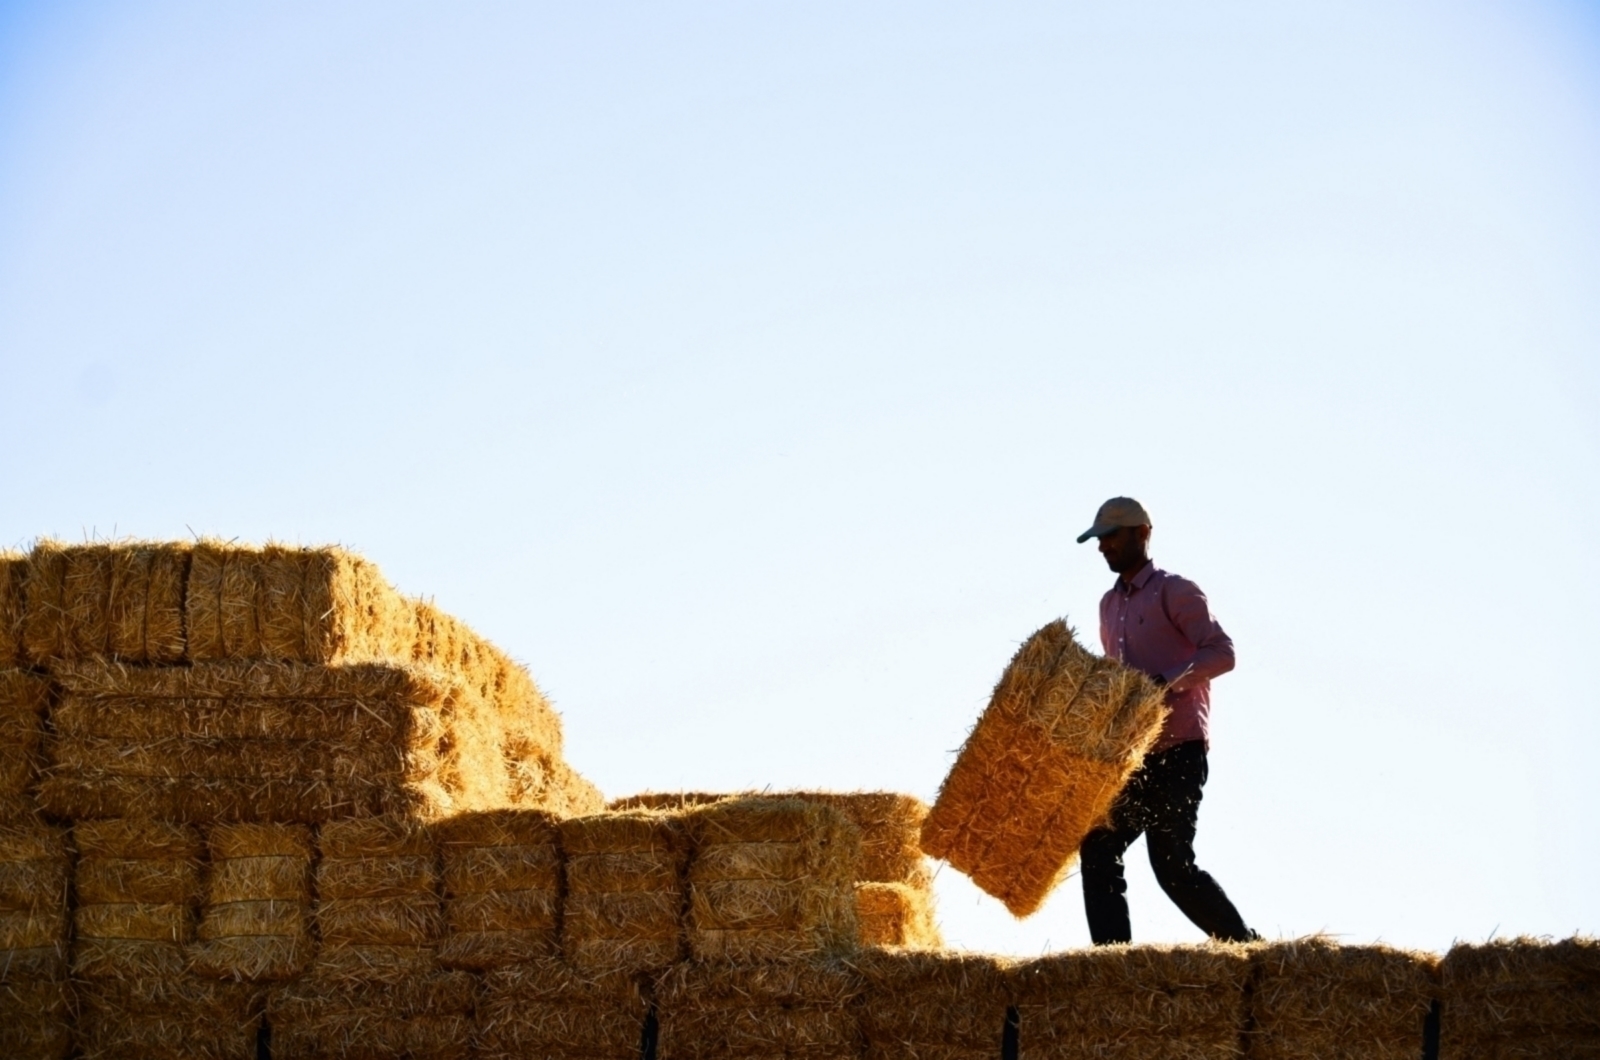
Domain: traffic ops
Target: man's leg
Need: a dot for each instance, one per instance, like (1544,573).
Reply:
(1175,812)
(1105,890)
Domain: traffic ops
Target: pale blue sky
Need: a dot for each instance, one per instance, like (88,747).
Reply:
(747,370)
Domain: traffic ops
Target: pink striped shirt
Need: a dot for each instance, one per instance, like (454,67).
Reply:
(1162,624)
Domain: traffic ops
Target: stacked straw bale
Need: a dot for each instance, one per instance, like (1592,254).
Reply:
(548,1008)
(625,890)
(168,1018)
(502,885)
(137,884)
(255,922)
(893,888)
(766,1009)
(1062,733)
(1521,998)
(1134,1002)
(425,1014)
(932,1005)
(24,700)
(13,571)
(35,996)
(1312,999)
(377,886)
(121,601)
(771,879)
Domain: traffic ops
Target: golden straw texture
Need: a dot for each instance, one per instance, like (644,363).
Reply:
(932,1005)
(1133,1001)
(137,883)
(625,890)
(717,1009)
(35,1016)
(35,868)
(1062,733)
(771,878)
(897,914)
(547,1008)
(1521,997)
(13,573)
(255,922)
(1312,999)
(168,1017)
(24,699)
(428,1016)
(502,885)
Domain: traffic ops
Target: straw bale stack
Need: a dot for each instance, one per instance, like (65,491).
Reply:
(255,922)
(377,887)
(1132,1002)
(35,995)
(1312,999)
(24,699)
(1520,998)
(893,888)
(932,1005)
(168,1018)
(137,884)
(771,879)
(1063,732)
(272,741)
(105,601)
(502,885)
(771,1009)
(625,894)
(547,1008)
(13,572)
(423,1016)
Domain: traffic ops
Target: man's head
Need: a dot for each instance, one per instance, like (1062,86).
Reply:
(1123,527)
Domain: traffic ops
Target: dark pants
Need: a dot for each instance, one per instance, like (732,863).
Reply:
(1162,801)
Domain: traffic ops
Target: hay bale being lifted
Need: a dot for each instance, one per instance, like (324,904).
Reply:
(625,890)
(1312,999)
(502,885)
(1063,732)
(547,1008)
(771,879)
(1130,1002)
(932,1005)
(717,1010)
(282,742)
(1521,997)
(255,923)
(35,995)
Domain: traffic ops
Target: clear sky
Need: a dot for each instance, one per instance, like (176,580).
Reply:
(748,369)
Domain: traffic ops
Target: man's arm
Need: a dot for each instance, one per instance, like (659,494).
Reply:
(1190,611)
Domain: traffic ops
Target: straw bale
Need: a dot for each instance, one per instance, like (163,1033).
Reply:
(146,605)
(1313,999)
(399,920)
(1062,733)
(258,897)
(427,1015)
(34,868)
(482,870)
(625,890)
(137,880)
(269,877)
(35,1018)
(376,837)
(504,911)
(24,698)
(773,1009)
(28,929)
(480,951)
(241,759)
(1132,1001)
(379,877)
(44,616)
(897,914)
(167,1017)
(946,1004)
(549,1008)
(1521,997)
(151,922)
(138,719)
(346,963)
(622,833)
(890,823)
(207,799)
(812,914)
(13,574)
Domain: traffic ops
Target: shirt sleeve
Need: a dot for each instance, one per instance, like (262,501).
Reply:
(1191,613)
(1105,626)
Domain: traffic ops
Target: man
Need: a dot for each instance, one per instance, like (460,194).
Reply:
(1159,623)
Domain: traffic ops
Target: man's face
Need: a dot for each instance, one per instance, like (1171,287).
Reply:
(1124,548)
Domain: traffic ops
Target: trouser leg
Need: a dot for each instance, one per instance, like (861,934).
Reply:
(1170,839)
(1105,901)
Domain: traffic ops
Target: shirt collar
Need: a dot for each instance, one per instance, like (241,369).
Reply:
(1146,572)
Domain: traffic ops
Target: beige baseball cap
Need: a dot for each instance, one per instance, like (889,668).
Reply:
(1114,513)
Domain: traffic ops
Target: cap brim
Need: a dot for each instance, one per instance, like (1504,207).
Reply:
(1094,531)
